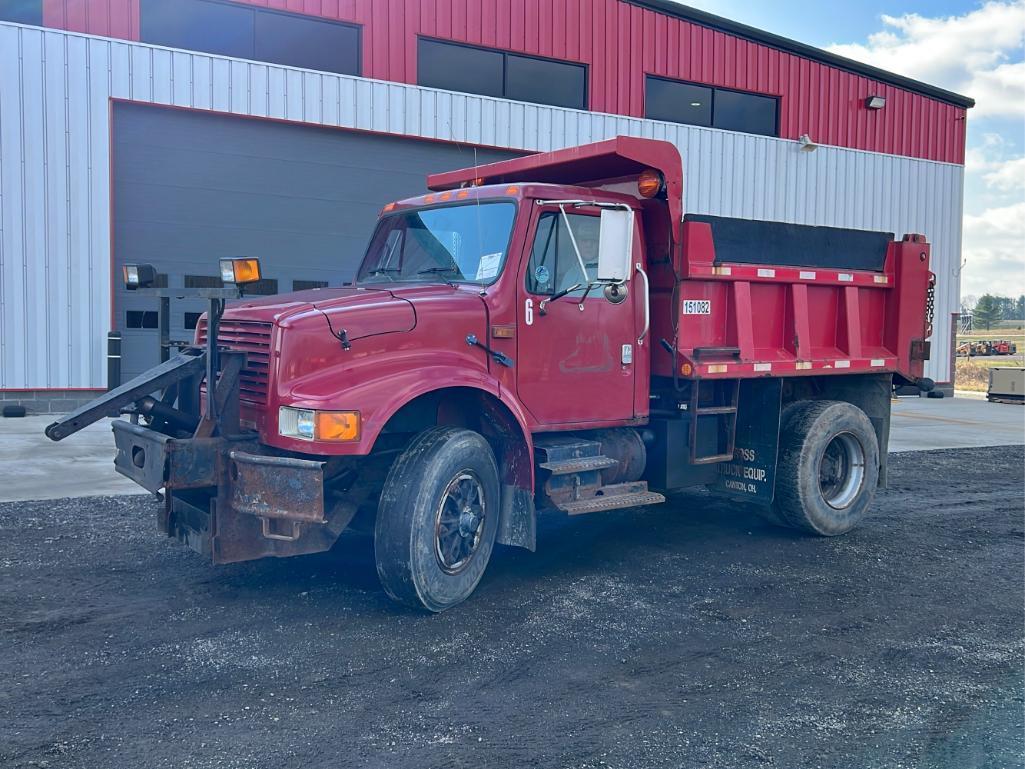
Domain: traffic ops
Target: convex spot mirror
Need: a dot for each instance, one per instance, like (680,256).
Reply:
(615,245)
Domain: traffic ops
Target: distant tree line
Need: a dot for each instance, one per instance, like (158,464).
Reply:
(989,309)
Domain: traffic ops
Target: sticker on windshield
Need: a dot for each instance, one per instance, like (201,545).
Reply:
(541,275)
(489,266)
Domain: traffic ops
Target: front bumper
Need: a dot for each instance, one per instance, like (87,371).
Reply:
(229,501)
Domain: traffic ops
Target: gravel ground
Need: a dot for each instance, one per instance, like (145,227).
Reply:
(686,635)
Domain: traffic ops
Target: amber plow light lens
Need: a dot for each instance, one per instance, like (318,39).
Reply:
(337,425)
(649,183)
(240,271)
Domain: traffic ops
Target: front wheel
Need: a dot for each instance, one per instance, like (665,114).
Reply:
(437,519)
(828,467)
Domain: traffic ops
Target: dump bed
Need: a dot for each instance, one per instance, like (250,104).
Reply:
(754,298)
(734,298)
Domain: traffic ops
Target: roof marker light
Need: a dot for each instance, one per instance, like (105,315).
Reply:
(650,183)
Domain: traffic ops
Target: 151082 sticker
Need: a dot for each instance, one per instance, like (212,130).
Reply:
(697,307)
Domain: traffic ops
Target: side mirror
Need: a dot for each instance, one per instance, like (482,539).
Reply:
(615,245)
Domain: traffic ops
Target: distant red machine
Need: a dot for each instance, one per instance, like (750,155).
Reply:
(545,334)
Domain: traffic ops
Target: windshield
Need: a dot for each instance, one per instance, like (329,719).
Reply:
(460,243)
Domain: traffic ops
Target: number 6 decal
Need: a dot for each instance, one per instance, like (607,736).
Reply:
(528,312)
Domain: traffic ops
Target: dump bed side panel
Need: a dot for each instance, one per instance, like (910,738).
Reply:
(734,313)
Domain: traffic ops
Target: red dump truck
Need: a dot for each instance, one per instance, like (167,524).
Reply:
(548,334)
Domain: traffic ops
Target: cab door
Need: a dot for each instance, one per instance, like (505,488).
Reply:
(575,354)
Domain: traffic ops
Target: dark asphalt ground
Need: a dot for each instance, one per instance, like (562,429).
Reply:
(686,635)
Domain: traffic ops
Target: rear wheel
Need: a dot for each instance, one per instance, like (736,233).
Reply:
(828,467)
(437,519)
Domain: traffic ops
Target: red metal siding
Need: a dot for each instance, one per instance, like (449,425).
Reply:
(620,43)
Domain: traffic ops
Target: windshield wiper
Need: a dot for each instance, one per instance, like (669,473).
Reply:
(382,271)
(438,270)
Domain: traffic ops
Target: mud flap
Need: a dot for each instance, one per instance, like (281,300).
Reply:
(752,473)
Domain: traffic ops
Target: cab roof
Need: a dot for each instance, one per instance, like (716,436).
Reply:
(608,161)
(495,192)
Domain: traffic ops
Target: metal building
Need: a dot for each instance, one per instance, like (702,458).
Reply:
(178,132)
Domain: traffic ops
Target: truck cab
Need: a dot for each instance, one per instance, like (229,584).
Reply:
(544,335)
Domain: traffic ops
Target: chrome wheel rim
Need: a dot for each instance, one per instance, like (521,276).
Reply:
(459,522)
(842,471)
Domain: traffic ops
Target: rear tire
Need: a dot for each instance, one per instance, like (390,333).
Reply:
(437,519)
(828,468)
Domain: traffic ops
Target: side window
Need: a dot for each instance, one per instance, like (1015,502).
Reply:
(554,264)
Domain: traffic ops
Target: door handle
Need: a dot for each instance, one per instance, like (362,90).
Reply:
(647,304)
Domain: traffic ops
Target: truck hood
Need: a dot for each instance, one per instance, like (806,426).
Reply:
(361,312)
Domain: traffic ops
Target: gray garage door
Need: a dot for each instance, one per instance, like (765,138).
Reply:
(190,188)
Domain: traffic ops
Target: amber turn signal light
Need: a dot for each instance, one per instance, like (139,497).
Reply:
(337,425)
(649,183)
(240,271)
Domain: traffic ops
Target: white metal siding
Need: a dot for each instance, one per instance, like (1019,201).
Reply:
(55,91)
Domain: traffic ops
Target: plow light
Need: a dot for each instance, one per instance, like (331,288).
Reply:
(311,425)
(138,275)
(240,271)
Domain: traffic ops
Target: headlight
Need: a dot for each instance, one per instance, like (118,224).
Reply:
(309,425)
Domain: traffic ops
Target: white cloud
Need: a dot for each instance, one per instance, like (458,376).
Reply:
(994,251)
(970,54)
(978,54)
(1007,176)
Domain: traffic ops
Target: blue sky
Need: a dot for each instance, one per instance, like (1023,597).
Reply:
(818,23)
(972,48)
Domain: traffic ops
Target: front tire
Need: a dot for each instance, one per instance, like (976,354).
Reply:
(437,519)
(828,468)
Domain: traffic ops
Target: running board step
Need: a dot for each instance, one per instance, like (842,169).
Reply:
(614,497)
(581,465)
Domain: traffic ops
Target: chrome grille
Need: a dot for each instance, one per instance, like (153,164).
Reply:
(253,338)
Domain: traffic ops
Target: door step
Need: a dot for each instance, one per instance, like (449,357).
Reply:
(614,497)
(582,465)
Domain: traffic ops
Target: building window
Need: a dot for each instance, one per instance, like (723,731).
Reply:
(192,320)
(246,32)
(22,11)
(203,281)
(141,319)
(456,67)
(306,285)
(554,265)
(692,104)
(262,287)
